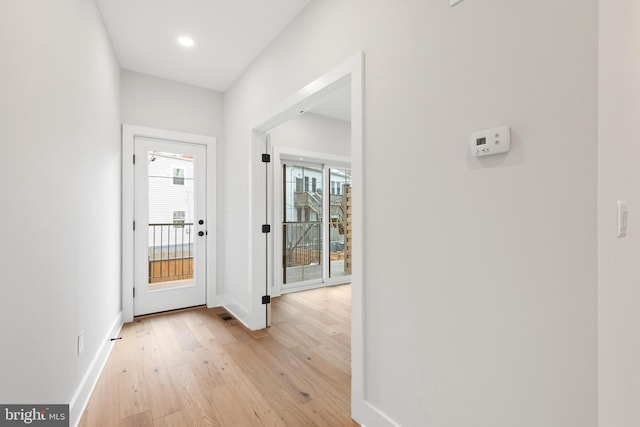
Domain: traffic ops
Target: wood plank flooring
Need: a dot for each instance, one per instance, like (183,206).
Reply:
(192,368)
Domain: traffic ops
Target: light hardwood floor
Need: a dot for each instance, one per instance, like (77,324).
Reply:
(192,368)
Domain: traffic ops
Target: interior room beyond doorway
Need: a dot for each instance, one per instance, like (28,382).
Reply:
(312,186)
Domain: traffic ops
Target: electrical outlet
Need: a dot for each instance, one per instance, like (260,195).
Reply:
(80,342)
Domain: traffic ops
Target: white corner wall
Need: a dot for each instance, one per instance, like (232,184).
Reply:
(164,104)
(480,275)
(619,179)
(60,252)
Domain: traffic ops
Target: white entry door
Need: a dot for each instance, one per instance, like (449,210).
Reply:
(170,225)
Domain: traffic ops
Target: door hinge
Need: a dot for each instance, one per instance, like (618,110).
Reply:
(134,292)
(134,159)
(266,228)
(134,226)
(266,158)
(266,299)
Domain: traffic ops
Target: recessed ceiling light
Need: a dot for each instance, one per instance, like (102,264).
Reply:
(186,41)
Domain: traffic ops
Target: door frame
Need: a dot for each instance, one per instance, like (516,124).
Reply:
(351,70)
(281,155)
(129,134)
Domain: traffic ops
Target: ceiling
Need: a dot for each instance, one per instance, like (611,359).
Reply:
(228,36)
(336,104)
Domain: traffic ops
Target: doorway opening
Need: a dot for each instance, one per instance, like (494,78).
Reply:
(168,213)
(263,273)
(171,228)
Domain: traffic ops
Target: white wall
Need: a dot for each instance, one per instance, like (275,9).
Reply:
(313,132)
(619,179)
(483,313)
(60,251)
(165,104)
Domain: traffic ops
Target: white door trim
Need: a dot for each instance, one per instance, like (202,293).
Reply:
(129,133)
(352,70)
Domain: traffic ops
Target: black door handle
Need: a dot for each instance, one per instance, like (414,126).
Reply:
(200,233)
(201,222)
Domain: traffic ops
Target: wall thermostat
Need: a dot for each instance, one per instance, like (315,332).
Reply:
(623,215)
(490,141)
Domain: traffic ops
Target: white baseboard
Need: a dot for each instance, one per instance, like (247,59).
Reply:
(367,415)
(83,393)
(239,312)
(310,286)
(216,301)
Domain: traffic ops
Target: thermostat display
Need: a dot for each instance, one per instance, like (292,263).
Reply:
(490,141)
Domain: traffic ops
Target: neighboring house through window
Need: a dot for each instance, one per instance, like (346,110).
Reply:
(178,219)
(178,176)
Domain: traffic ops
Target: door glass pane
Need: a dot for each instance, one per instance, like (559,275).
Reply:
(302,223)
(171,229)
(340,222)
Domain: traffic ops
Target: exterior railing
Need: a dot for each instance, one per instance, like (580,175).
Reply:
(302,244)
(336,199)
(170,252)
